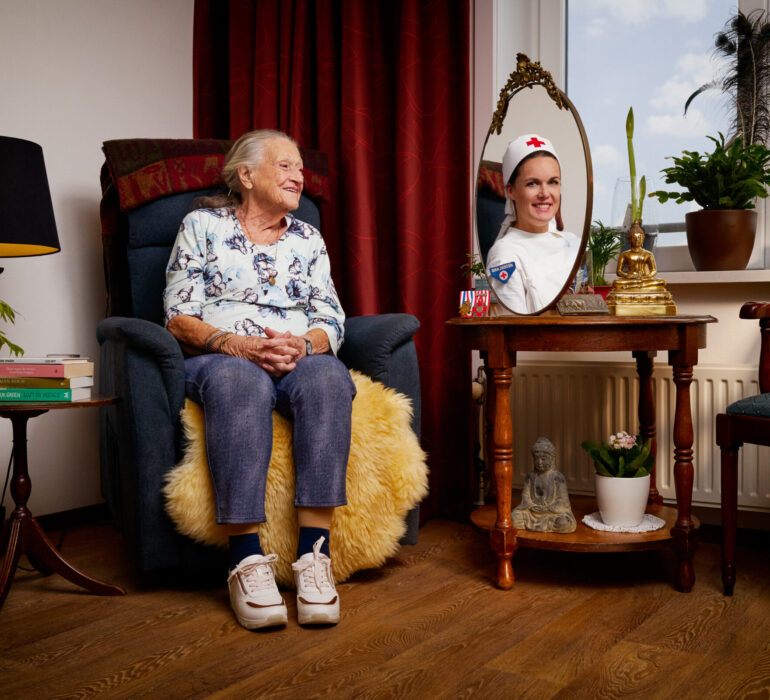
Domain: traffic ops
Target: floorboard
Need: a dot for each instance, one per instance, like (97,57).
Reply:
(428,624)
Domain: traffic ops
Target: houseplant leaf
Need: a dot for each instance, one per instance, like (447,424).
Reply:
(8,314)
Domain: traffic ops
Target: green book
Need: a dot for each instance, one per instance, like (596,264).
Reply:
(45,383)
(16,395)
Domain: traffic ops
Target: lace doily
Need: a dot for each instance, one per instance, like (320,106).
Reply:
(649,524)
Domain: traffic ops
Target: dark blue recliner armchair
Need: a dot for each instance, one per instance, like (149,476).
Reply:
(142,364)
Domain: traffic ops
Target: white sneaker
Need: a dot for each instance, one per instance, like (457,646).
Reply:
(254,595)
(317,599)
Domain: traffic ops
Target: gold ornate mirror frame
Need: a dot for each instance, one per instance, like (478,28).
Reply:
(529,75)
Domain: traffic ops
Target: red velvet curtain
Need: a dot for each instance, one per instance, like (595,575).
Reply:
(382,87)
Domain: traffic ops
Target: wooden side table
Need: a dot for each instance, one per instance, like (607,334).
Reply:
(499,338)
(21,533)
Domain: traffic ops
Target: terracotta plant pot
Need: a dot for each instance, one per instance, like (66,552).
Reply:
(602,290)
(721,239)
(622,502)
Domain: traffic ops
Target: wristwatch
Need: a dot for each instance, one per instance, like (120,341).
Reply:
(308,347)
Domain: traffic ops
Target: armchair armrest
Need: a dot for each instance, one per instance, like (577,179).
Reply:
(371,340)
(152,342)
(140,436)
(382,347)
(761,310)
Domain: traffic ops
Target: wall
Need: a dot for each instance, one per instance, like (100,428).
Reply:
(76,73)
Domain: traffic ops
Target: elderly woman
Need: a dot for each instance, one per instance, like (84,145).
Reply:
(531,259)
(250,298)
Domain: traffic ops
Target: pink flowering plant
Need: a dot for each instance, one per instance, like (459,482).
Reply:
(624,456)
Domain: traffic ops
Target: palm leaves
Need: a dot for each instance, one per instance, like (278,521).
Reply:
(745,43)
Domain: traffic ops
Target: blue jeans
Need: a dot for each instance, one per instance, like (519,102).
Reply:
(238,399)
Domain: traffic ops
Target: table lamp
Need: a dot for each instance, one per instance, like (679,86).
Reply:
(27,224)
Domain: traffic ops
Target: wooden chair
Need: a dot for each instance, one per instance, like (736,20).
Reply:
(747,420)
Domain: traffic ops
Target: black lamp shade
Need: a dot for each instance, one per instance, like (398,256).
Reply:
(27,224)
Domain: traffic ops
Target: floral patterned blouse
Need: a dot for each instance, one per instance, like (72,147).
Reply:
(215,273)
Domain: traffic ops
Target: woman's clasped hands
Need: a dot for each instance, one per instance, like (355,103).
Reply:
(277,354)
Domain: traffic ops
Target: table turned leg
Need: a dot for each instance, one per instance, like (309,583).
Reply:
(684,533)
(489,432)
(644,363)
(23,535)
(502,536)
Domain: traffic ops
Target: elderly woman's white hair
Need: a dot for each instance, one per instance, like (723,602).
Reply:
(249,150)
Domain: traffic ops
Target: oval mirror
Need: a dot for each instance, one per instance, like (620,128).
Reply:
(543,270)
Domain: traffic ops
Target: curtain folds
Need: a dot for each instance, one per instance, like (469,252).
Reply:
(381,86)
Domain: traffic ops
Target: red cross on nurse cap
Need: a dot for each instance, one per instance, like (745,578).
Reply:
(520,148)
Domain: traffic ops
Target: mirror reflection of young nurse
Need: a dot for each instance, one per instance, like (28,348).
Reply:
(532,256)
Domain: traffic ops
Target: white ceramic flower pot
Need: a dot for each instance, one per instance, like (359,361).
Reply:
(622,502)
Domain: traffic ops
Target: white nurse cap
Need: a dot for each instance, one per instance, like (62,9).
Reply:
(517,151)
(520,148)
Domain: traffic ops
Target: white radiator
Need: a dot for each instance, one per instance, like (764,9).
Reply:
(572,402)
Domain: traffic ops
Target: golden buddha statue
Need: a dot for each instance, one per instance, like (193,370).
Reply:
(637,291)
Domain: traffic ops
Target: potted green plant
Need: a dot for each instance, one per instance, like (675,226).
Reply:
(622,479)
(8,314)
(604,244)
(725,183)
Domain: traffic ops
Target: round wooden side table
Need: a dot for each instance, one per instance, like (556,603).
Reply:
(21,533)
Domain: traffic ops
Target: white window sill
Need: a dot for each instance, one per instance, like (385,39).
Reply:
(711,276)
(723,276)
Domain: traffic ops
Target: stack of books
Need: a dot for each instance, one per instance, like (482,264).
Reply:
(44,379)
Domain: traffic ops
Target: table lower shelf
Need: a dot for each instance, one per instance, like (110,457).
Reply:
(586,539)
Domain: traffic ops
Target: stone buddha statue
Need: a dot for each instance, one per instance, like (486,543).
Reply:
(637,290)
(544,503)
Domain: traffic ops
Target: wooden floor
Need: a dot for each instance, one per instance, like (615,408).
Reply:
(427,625)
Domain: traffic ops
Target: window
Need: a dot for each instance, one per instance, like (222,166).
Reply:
(609,55)
(649,54)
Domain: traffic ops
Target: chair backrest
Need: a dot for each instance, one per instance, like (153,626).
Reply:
(490,205)
(148,186)
(490,212)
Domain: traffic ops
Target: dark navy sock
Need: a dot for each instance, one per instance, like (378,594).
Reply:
(308,537)
(242,546)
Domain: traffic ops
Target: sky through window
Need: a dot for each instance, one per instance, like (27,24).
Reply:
(649,54)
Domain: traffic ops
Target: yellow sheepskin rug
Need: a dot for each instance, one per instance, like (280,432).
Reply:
(387,475)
